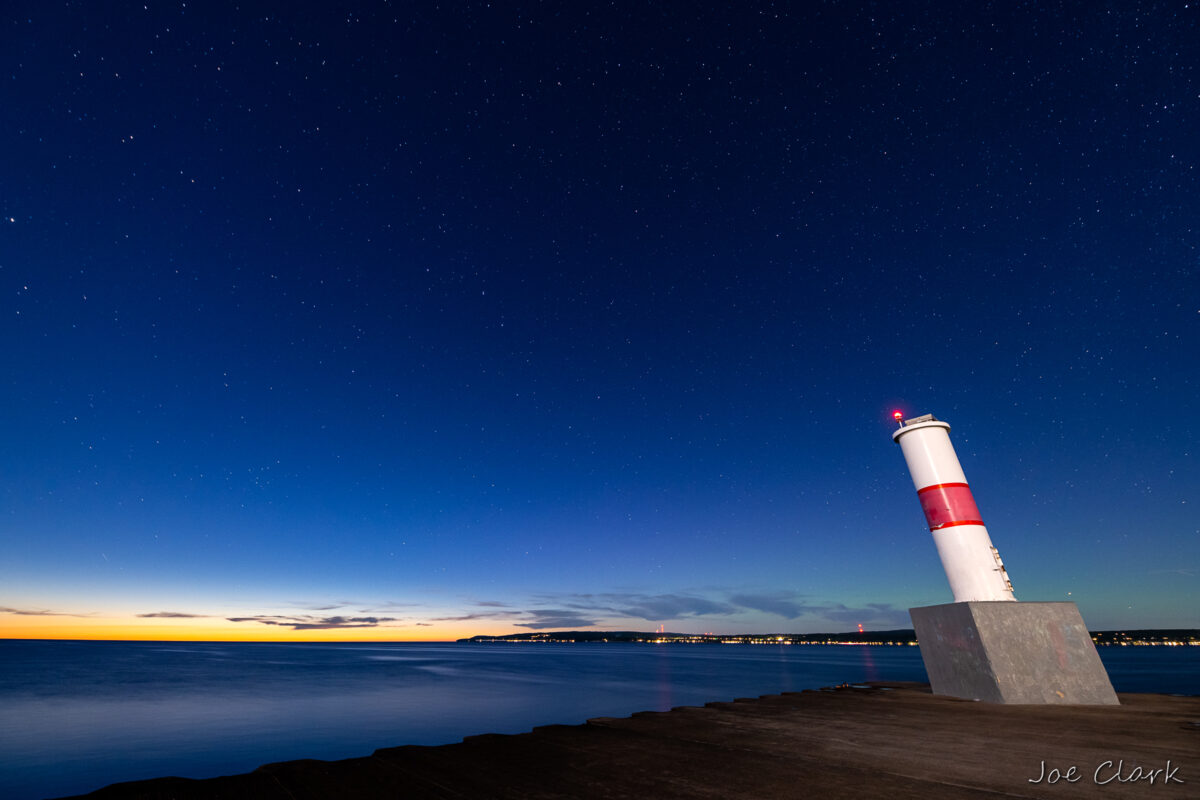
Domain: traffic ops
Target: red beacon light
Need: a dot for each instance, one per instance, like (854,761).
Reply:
(899,417)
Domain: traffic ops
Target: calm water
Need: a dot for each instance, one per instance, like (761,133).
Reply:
(75,716)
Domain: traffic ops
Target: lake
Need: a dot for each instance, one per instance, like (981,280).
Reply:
(75,716)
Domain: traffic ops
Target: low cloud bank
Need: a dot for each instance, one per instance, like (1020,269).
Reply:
(38,612)
(308,623)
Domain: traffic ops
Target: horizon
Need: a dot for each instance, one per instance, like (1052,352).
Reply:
(422,323)
(291,640)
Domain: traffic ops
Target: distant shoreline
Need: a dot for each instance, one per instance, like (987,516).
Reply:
(1170,637)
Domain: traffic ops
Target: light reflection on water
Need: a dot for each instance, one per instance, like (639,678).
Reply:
(75,716)
(870,670)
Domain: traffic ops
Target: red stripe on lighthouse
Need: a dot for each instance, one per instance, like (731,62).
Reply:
(948,504)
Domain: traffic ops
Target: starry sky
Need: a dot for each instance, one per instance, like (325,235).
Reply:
(417,321)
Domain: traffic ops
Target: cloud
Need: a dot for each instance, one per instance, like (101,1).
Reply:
(651,606)
(789,606)
(475,616)
(322,605)
(342,622)
(364,606)
(30,612)
(384,607)
(307,623)
(544,618)
(535,619)
(673,606)
(781,605)
(492,604)
(584,610)
(171,615)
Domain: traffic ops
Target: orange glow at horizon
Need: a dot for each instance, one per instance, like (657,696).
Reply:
(126,628)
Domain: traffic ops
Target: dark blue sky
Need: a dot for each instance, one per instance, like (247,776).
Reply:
(420,320)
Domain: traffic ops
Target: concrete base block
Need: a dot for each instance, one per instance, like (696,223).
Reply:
(1002,652)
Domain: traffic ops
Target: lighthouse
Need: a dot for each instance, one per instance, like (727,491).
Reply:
(971,561)
(986,645)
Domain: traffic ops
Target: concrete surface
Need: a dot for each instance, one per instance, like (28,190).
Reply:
(1006,652)
(886,740)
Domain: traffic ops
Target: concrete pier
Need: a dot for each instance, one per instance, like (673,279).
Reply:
(882,740)
(1009,652)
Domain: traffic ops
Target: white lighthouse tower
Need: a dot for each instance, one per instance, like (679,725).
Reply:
(985,645)
(972,563)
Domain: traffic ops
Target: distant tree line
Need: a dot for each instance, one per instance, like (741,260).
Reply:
(1145,636)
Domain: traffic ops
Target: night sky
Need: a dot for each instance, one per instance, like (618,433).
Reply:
(416,321)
